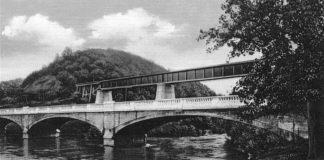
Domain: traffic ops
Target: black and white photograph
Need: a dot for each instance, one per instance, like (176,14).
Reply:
(162,79)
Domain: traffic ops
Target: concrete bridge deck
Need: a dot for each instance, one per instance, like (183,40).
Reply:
(197,103)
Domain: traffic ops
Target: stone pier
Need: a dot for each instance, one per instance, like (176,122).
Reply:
(103,96)
(108,138)
(165,91)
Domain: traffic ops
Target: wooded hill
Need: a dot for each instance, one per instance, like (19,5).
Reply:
(55,83)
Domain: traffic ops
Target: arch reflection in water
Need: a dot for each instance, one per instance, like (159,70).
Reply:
(204,147)
(26,147)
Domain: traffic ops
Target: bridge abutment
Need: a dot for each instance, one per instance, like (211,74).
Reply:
(165,91)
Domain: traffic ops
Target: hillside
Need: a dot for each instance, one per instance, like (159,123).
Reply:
(57,80)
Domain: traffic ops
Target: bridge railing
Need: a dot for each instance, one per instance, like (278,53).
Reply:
(217,102)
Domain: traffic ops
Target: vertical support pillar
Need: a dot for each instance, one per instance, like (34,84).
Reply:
(99,97)
(107,97)
(90,94)
(83,92)
(108,138)
(165,91)
(104,97)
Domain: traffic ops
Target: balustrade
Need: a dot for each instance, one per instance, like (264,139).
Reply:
(217,102)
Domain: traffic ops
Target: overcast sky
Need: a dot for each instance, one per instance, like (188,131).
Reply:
(164,31)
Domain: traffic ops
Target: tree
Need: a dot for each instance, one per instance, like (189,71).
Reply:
(290,36)
(11,92)
(67,81)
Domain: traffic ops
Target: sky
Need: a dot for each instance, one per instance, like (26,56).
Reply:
(33,32)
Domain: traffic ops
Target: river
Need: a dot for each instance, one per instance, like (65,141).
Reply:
(209,147)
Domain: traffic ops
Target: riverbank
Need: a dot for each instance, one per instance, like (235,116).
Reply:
(264,145)
(257,143)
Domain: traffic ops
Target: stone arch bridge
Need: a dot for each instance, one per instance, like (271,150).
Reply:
(114,118)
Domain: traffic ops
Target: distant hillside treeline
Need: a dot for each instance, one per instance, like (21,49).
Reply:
(56,82)
(11,92)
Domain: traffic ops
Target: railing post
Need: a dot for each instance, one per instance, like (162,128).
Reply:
(99,97)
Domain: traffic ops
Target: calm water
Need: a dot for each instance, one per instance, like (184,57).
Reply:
(209,147)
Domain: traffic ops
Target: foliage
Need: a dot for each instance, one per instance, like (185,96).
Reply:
(256,142)
(58,79)
(194,126)
(11,92)
(263,144)
(46,86)
(193,89)
(290,36)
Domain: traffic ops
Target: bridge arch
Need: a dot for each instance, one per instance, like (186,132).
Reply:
(70,116)
(152,121)
(4,121)
(57,121)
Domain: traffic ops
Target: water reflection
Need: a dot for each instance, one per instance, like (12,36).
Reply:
(189,148)
(25,148)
